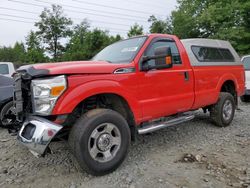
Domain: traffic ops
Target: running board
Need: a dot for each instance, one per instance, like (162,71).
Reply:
(157,126)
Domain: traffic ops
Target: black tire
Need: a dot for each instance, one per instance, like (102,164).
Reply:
(245,98)
(81,133)
(217,111)
(5,109)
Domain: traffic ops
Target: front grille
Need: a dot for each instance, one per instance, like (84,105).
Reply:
(17,97)
(22,96)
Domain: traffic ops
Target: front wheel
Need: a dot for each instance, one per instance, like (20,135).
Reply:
(222,113)
(7,110)
(100,140)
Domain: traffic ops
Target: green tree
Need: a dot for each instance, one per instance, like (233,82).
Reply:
(244,42)
(14,54)
(84,43)
(35,53)
(95,41)
(159,26)
(115,38)
(75,49)
(19,53)
(52,27)
(6,54)
(225,19)
(135,30)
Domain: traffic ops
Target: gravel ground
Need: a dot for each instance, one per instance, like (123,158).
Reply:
(190,155)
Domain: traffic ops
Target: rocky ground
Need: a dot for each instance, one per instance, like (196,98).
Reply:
(194,154)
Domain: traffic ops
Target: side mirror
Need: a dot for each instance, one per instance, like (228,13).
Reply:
(163,59)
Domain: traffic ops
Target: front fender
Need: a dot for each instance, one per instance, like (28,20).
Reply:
(76,94)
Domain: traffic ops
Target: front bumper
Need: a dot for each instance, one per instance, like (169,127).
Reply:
(36,134)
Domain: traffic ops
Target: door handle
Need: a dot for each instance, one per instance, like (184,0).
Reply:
(186,76)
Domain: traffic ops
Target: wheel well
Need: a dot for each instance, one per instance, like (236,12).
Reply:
(4,103)
(106,100)
(229,87)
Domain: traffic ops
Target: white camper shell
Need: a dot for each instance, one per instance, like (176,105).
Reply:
(210,52)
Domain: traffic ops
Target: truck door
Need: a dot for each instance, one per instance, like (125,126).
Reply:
(167,91)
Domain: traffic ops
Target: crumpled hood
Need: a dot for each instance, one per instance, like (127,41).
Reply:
(73,67)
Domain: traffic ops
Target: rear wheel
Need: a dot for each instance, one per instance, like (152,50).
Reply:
(222,113)
(7,110)
(100,140)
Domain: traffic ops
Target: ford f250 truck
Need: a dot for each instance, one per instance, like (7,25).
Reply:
(131,87)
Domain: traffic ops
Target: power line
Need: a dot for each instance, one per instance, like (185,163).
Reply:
(75,11)
(22,21)
(110,28)
(18,10)
(108,12)
(143,3)
(1,14)
(12,9)
(102,15)
(8,19)
(112,7)
(25,3)
(140,3)
(103,22)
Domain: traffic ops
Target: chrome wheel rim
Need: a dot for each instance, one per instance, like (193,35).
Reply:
(6,121)
(104,142)
(227,110)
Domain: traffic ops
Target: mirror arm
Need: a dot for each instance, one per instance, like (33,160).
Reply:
(147,58)
(145,67)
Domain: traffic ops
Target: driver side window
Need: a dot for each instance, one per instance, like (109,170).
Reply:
(174,50)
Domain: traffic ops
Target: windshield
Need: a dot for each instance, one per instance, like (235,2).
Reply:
(122,51)
(246,62)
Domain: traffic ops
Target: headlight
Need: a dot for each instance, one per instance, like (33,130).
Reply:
(45,93)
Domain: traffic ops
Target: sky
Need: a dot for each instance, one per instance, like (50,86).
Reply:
(17,17)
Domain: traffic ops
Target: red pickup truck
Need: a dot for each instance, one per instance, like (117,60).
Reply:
(131,87)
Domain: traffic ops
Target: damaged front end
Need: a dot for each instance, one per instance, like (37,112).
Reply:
(34,130)
(36,133)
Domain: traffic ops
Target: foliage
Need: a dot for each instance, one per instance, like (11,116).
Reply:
(75,47)
(135,30)
(84,44)
(6,54)
(225,19)
(35,53)
(184,25)
(116,38)
(53,27)
(159,26)
(15,54)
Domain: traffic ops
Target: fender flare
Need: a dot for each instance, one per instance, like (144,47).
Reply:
(72,97)
(225,78)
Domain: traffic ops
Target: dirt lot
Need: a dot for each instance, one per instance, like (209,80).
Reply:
(194,154)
